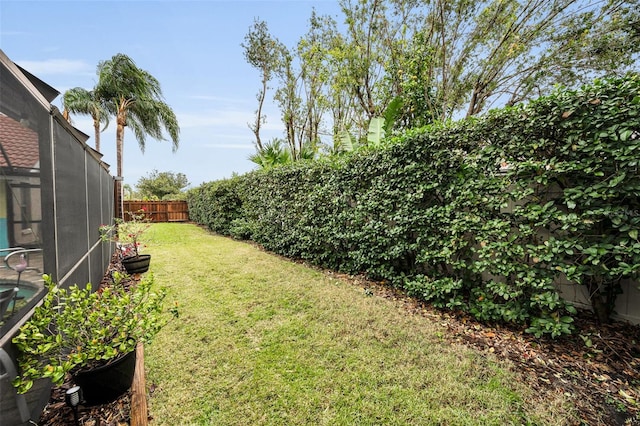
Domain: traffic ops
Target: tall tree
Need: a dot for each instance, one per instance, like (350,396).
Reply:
(289,101)
(263,52)
(470,55)
(162,185)
(313,51)
(135,98)
(375,31)
(362,53)
(83,101)
(592,39)
(432,60)
(304,78)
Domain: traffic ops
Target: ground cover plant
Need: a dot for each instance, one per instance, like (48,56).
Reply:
(263,340)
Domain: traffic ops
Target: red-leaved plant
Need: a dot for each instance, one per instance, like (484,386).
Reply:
(127,233)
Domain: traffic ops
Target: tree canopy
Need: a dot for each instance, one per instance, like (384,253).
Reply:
(264,53)
(419,61)
(162,185)
(133,96)
(82,101)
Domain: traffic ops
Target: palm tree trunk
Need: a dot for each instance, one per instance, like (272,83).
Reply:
(96,128)
(121,122)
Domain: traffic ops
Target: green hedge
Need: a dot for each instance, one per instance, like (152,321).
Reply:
(433,212)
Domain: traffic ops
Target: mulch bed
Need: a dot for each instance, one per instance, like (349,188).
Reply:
(597,367)
(116,413)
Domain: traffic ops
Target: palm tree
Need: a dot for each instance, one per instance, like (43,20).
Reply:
(83,101)
(277,153)
(273,153)
(135,98)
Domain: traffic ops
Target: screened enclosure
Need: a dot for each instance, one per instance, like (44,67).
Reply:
(54,193)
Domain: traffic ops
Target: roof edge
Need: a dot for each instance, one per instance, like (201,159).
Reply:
(24,80)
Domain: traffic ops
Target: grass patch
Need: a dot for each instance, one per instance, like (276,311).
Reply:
(265,341)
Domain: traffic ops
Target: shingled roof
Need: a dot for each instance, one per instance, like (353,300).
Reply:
(19,144)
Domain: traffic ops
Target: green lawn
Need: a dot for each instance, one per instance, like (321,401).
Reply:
(264,341)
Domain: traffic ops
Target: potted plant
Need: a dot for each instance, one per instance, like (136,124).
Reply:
(80,332)
(127,235)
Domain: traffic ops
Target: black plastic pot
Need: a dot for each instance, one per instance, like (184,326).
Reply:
(106,383)
(137,264)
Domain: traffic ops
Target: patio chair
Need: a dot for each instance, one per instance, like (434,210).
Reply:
(7,251)
(10,373)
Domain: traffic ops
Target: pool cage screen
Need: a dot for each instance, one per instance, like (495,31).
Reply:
(55,192)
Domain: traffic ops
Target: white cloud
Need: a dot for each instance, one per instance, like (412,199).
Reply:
(57,66)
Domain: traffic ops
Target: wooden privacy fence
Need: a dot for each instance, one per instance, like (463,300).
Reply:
(159,211)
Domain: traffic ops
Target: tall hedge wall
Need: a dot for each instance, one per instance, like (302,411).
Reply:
(481,215)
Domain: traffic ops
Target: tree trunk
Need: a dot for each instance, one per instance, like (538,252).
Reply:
(96,128)
(121,123)
(473,102)
(256,128)
(599,306)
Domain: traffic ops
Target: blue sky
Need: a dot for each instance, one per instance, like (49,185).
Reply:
(192,47)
